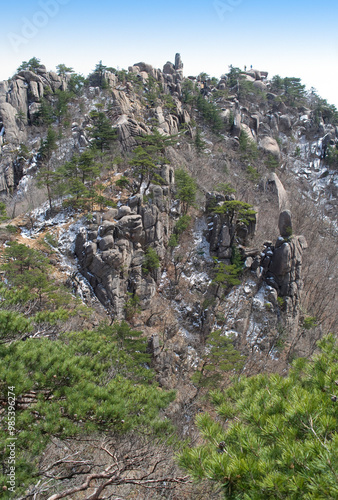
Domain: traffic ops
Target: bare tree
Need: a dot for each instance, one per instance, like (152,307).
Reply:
(106,466)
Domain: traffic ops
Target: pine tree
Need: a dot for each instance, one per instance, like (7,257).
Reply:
(46,175)
(32,65)
(199,143)
(237,212)
(84,382)
(64,70)
(210,113)
(274,437)
(221,356)
(186,189)
(97,79)
(102,134)
(3,213)
(151,260)
(226,275)
(144,168)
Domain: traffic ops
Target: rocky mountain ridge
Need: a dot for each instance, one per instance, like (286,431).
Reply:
(291,142)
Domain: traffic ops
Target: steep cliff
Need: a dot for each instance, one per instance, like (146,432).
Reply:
(162,233)
(239,131)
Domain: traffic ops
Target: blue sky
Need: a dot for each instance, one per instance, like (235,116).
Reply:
(287,38)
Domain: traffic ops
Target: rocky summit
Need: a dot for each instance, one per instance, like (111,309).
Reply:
(190,220)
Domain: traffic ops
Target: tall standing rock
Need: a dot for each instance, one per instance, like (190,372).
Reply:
(285,224)
(284,270)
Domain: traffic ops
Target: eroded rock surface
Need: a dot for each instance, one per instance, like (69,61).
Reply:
(111,252)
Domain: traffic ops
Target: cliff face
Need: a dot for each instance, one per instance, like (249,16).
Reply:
(274,156)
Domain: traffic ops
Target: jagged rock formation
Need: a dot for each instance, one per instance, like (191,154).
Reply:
(283,267)
(111,251)
(19,100)
(175,268)
(223,234)
(111,247)
(267,306)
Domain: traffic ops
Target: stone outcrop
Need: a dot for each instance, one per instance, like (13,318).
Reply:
(111,250)
(273,184)
(224,234)
(173,73)
(270,146)
(282,264)
(268,302)
(10,123)
(19,101)
(285,224)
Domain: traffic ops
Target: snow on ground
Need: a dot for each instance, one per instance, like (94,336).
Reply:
(201,244)
(321,179)
(66,226)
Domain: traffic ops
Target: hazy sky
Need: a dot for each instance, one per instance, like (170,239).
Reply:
(290,38)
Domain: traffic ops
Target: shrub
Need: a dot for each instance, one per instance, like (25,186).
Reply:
(309,322)
(182,224)
(272,162)
(274,436)
(252,173)
(186,189)
(151,260)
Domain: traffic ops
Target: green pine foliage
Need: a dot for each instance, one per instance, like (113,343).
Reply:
(54,106)
(13,324)
(102,134)
(61,106)
(145,168)
(64,70)
(210,113)
(146,162)
(233,76)
(186,189)
(188,92)
(180,227)
(31,301)
(132,305)
(248,147)
(3,213)
(221,356)
(272,162)
(46,174)
(45,113)
(32,65)
(76,84)
(290,89)
(152,91)
(97,77)
(151,260)
(252,173)
(76,179)
(225,188)
(238,212)
(19,260)
(248,92)
(226,275)
(332,156)
(123,183)
(274,437)
(156,143)
(83,383)
(200,144)
(182,224)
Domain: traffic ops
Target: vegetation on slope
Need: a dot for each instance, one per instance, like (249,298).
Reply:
(274,437)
